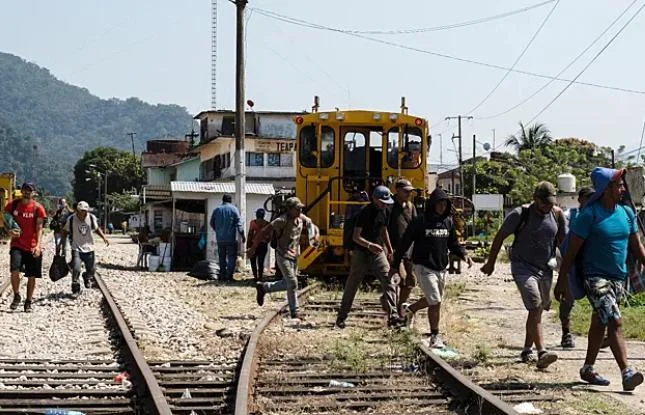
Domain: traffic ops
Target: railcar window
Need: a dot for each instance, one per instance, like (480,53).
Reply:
(411,147)
(308,146)
(327,146)
(354,154)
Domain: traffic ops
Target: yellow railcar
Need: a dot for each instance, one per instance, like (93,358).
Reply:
(341,152)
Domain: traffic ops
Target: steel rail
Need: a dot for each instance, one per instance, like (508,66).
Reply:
(138,362)
(249,362)
(463,388)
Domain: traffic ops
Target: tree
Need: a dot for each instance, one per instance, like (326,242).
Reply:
(124,173)
(536,136)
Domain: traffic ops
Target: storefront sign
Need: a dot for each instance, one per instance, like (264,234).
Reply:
(275,146)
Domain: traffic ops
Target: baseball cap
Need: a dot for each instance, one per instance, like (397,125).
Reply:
(403,184)
(260,213)
(383,194)
(585,192)
(546,192)
(293,202)
(83,206)
(28,186)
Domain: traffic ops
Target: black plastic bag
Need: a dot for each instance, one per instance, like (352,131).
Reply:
(59,268)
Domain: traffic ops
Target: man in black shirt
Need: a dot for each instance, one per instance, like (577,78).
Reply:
(372,254)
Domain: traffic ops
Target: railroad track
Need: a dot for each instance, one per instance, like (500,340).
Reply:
(398,378)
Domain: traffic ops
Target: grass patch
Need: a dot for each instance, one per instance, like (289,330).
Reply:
(633,313)
(482,353)
(454,290)
(593,403)
(351,352)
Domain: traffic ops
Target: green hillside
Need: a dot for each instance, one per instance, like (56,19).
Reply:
(46,125)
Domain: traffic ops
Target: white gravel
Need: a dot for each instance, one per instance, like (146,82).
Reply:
(59,327)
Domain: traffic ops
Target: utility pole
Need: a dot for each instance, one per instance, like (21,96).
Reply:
(461,172)
(191,137)
(440,150)
(134,154)
(472,197)
(240,122)
(494,139)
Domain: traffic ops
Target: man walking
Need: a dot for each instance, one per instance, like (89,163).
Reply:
(567,304)
(58,220)
(538,227)
(79,227)
(25,252)
(226,223)
(372,254)
(401,215)
(607,228)
(257,260)
(433,235)
(288,228)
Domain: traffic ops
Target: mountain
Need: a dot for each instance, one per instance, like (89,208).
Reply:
(46,125)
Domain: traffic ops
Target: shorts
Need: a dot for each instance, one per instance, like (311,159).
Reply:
(432,283)
(24,261)
(534,286)
(604,295)
(407,274)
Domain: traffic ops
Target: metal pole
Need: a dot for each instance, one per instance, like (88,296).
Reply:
(105,204)
(461,162)
(472,198)
(240,124)
(440,150)
(613,159)
(134,154)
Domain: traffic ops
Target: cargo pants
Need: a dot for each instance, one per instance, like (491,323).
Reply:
(288,283)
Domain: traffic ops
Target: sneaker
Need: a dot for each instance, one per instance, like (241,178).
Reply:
(86,281)
(395,322)
(567,341)
(605,343)
(436,342)
(16,301)
(588,374)
(340,324)
(296,315)
(408,315)
(545,359)
(28,308)
(76,288)
(527,356)
(631,379)
(260,293)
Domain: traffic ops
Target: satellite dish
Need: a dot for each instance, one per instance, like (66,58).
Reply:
(250,103)
(486,146)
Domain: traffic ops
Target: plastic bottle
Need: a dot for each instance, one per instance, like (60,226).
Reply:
(337,384)
(62,412)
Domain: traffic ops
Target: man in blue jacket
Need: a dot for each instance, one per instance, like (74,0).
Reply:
(226,223)
(608,229)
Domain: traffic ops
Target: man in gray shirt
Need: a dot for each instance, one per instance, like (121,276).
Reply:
(79,227)
(537,228)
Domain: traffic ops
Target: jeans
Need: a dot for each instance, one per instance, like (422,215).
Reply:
(257,262)
(86,258)
(288,283)
(227,252)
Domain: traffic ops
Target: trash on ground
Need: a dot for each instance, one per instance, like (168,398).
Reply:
(527,408)
(337,384)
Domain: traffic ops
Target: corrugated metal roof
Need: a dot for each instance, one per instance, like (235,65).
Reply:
(221,187)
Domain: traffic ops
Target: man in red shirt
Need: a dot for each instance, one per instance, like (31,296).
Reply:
(25,249)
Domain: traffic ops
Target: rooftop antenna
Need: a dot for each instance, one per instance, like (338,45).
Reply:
(404,108)
(213,54)
(316,104)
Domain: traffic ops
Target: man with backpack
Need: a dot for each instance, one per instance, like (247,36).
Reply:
(79,227)
(567,304)
(433,235)
(603,231)
(58,220)
(371,256)
(402,214)
(25,252)
(538,229)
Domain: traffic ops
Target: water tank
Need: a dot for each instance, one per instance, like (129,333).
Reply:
(567,183)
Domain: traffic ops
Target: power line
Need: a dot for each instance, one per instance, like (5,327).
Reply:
(517,60)
(564,69)
(303,23)
(596,56)
(450,26)
(638,158)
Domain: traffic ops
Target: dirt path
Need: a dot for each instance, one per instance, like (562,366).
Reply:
(485,324)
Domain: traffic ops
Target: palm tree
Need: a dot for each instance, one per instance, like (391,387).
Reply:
(537,135)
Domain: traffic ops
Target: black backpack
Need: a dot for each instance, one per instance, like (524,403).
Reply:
(57,221)
(348,230)
(93,226)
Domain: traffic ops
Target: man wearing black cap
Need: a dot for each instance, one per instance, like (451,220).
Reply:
(401,215)
(371,255)
(25,252)
(537,227)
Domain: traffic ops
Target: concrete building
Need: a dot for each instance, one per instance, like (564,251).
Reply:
(269,145)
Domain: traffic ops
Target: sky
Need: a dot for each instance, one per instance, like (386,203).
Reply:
(160,51)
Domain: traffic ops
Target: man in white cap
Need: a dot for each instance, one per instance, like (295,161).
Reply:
(79,227)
